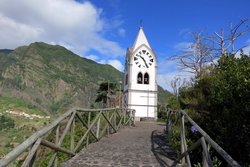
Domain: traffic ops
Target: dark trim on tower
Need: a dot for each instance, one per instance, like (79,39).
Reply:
(137,90)
(142,105)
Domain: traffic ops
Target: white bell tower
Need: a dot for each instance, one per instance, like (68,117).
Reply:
(140,86)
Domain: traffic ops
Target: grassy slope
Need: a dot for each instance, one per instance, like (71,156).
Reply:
(24,127)
(52,77)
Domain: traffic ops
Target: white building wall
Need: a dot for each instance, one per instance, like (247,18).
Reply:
(144,103)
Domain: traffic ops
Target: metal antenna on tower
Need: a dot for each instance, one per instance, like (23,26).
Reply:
(141,23)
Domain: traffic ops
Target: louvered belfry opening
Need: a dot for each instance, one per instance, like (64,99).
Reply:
(139,78)
(146,78)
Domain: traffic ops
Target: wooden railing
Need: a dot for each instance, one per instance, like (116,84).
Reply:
(178,118)
(68,134)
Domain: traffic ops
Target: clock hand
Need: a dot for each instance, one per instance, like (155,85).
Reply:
(144,61)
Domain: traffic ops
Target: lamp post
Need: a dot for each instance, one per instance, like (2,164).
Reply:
(108,99)
(120,92)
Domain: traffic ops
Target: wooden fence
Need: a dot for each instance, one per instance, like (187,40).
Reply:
(79,126)
(179,117)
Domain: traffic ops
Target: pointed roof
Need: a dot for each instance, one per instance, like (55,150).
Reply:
(141,39)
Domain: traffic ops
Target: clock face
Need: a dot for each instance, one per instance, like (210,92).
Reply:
(143,59)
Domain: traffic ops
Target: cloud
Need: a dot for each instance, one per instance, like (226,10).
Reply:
(184,46)
(75,25)
(92,57)
(165,79)
(117,64)
(167,71)
(246,49)
(102,61)
(184,32)
(166,66)
(122,32)
(13,33)
(114,62)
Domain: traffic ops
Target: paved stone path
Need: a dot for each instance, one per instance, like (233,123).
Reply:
(142,146)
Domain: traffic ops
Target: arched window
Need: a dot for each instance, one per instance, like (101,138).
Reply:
(139,78)
(146,78)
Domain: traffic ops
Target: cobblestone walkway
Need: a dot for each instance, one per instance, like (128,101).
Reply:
(141,146)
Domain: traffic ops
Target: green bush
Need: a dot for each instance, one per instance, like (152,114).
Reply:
(6,122)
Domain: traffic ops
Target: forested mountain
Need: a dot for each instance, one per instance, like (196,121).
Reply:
(52,77)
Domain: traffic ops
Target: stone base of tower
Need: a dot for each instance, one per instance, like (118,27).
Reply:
(146,119)
(144,113)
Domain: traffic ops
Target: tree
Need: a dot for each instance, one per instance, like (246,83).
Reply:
(204,50)
(175,84)
(178,83)
(104,93)
(224,42)
(195,57)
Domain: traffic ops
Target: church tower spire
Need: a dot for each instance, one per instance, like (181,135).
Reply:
(141,39)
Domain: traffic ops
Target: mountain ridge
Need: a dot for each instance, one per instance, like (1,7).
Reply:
(51,77)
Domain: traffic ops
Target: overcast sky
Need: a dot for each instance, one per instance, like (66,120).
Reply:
(102,30)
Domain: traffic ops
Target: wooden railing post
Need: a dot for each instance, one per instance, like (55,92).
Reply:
(169,122)
(119,118)
(72,134)
(52,159)
(30,158)
(124,116)
(89,117)
(98,127)
(130,117)
(56,142)
(115,126)
(206,159)
(108,124)
(183,141)
(133,117)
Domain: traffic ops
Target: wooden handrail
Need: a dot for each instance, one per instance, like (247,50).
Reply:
(119,117)
(201,142)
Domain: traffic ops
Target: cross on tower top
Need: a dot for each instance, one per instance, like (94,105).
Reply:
(141,23)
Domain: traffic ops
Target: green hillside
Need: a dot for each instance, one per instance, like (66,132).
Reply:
(51,77)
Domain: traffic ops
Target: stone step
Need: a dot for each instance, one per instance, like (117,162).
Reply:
(147,119)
